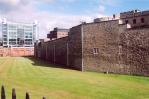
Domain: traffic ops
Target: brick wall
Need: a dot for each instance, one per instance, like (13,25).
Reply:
(16,52)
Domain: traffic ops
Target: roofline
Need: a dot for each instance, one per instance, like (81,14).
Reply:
(95,23)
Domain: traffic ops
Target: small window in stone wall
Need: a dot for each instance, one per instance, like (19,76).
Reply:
(134,21)
(126,21)
(142,20)
(120,49)
(95,50)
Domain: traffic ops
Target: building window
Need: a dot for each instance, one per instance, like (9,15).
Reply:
(126,21)
(95,50)
(134,21)
(120,49)
(142,20)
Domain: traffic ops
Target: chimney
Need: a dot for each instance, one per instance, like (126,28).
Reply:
(114,16)
(120,21)
(128,26)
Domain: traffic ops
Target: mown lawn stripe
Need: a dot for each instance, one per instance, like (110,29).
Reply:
(28,74)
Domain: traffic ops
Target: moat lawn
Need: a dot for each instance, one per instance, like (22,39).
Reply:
(26,74)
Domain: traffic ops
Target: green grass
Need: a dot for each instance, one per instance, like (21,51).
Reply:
(25,74)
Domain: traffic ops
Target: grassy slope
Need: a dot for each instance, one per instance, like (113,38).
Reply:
(56,83)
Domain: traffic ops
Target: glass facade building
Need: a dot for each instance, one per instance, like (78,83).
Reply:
(18,34)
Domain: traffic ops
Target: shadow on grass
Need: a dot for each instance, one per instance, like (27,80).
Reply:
(45,63)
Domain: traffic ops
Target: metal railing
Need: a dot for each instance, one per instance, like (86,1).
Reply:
(14,96)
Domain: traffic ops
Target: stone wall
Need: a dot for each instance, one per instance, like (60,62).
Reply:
(135,51)
(104,37)
(65,51)
(121,50)
(75,47)
(54,51)
(118,49)
(57,51)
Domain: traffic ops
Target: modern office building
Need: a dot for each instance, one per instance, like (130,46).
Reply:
(18,34)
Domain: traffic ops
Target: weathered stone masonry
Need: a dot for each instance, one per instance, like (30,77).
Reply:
(121,50)
(66,51)
(102,47)
(53,51)
(104,37)
(135,51)
(75,47)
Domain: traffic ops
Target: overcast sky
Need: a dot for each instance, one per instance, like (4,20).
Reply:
(64,13)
